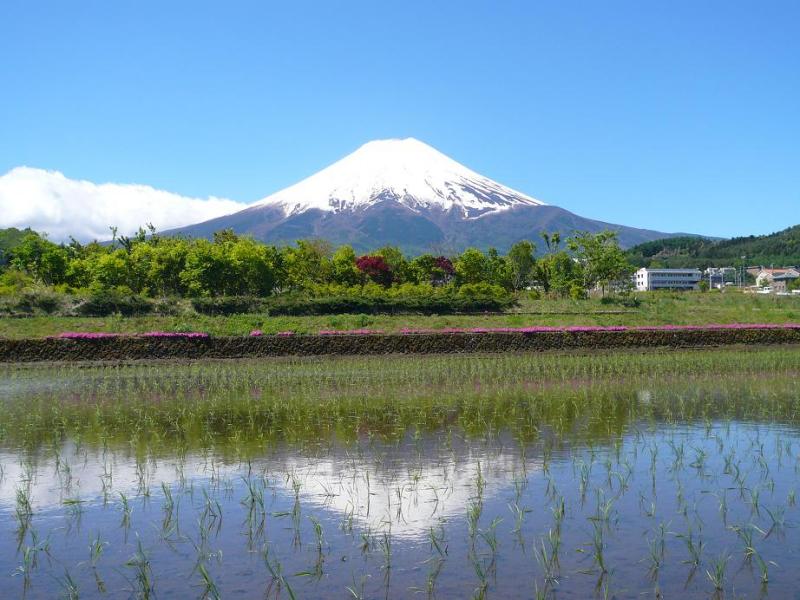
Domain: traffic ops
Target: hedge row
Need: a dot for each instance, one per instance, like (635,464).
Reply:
(337,305)
(134,348)
(102,304)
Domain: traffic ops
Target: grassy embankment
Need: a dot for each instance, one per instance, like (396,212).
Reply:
(655,309)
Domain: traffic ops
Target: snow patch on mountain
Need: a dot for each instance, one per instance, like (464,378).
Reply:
(406,171)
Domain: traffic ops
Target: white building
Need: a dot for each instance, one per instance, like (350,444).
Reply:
(666,279)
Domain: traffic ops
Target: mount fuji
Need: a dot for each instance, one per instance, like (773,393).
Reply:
(407,194)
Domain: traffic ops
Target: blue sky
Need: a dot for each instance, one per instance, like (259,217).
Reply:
(679,116)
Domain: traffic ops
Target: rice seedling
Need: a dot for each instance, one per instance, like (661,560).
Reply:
(278,580)
(598,547)
(694,546)
(489,535)
(716,574)
(210,589)
(96,547)
(546,554)
(656,547)
(26,567)
(126,511)
(144,585)
(357,589)
(69,589)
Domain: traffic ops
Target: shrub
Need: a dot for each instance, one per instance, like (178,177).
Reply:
(630,300)
(627,299)
(483,292)
(228,305)
(13,282)
(168,307)
(33,301)
(104,303)
(438,304)
(577,292)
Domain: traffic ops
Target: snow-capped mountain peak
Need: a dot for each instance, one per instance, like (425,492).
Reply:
(406,171)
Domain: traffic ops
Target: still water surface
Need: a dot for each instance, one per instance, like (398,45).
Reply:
(680,508)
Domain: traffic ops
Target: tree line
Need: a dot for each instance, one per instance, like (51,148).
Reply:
(779,249)
(152,265)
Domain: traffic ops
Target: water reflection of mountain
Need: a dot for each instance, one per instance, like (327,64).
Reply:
(410,495)
(408,487)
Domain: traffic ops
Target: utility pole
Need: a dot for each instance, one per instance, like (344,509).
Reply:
(741,277)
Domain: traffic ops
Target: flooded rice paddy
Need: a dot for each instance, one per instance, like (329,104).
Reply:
(531,476)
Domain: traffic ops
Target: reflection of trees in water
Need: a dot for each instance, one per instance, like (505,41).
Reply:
(241,423)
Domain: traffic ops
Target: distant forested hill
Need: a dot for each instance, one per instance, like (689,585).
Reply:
(781,248)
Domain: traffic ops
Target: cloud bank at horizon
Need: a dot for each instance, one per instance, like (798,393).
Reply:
(49,202)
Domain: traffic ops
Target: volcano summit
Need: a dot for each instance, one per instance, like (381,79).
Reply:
(408,194)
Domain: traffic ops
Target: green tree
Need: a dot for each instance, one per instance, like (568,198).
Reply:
(521,264)
(251,268)
(471,266)
(206,269)
(140,262)
(603,260)
(42,259)
(558,274)
(498,270)
(344,266)
(167,263)
(112,270)
(307,264)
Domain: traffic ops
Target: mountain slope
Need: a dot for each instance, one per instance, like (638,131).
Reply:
(405,193)
(779,248)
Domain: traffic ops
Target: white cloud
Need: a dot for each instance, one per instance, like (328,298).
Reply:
(47,201)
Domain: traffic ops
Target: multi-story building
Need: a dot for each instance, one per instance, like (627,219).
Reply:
(666,279)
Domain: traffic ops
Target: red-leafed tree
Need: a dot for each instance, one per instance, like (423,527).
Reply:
(443,271)
(375,268)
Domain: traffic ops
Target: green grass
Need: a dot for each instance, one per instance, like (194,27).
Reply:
(660,308)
